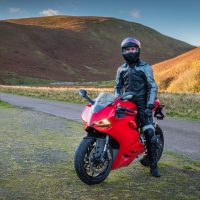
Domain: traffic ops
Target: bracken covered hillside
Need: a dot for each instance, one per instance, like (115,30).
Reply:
(66,48)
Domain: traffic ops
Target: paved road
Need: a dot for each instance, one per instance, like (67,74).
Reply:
(180,135)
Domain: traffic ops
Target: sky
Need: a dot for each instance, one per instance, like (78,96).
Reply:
(179,19)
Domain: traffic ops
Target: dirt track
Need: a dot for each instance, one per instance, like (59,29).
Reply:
(180,135)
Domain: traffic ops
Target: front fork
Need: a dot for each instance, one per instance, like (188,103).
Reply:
(103,146)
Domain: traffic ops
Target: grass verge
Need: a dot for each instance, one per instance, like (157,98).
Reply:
(4,105)
(36,160)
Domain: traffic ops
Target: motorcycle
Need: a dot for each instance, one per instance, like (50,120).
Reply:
(114,136)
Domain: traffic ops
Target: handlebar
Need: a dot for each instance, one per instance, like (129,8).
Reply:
(126,109)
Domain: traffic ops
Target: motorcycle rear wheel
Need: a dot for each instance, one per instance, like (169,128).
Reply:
(88,168)
(158,131)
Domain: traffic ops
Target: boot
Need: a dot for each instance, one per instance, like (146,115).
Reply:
(154,170)
(153,157)
(151,140)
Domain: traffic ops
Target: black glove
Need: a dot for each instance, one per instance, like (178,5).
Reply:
(148,110)
(151,106)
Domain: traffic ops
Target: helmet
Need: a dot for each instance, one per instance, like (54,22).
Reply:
(131,42)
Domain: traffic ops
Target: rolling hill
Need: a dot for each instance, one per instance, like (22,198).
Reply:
(69,48)
(180,74)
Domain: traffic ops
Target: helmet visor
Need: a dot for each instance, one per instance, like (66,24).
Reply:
(130,49)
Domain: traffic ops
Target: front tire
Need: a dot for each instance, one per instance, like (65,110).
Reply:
(158,131)
(87,166)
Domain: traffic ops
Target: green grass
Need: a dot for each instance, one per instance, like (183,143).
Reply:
(104,83)
(24,80)
(4,105)
(185,106)
(36,159)
(11,78)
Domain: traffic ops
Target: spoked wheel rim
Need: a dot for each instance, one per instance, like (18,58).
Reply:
(159,147)
(93,166)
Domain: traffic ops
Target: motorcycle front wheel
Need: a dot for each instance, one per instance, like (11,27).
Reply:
(88,165)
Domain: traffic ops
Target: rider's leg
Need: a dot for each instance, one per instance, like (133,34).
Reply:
(151,139)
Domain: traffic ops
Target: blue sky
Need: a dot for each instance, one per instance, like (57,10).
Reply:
(179,19)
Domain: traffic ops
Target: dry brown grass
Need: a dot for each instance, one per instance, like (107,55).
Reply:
(73,23)
(41,88)
(180,74)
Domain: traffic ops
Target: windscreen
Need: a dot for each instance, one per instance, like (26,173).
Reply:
(102,101)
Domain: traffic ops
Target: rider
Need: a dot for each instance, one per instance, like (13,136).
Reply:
(137,76)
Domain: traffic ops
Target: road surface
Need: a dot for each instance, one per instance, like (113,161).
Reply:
(180,135)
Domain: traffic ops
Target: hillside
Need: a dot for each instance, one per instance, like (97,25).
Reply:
(66,48)
(180,74)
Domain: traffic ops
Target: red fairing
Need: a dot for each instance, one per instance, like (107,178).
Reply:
(123,130)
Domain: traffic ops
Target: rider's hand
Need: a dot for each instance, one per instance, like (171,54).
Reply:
(148,110)
(151,106)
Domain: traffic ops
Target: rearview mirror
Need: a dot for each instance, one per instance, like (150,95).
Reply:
(82,92)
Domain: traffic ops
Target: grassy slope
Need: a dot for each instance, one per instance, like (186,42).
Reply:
(37,163)
(10,78)
(44,47)
(180,74)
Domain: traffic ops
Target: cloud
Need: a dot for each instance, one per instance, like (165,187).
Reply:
(15,10)
(49,12)
(135,13)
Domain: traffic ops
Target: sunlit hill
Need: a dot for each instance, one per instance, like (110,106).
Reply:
(180,74)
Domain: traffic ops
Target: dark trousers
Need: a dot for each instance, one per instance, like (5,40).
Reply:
(146,123)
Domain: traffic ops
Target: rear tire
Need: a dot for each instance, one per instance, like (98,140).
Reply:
(158,131)
(84,163)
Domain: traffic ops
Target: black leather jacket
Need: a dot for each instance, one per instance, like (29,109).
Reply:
(137,78)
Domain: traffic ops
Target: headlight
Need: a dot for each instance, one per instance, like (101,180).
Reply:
(102,123)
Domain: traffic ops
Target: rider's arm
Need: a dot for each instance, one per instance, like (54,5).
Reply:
(151,84)
(118,82)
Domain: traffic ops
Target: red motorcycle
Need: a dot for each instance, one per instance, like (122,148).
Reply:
(114,137)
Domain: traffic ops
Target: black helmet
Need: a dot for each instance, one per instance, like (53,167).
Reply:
(130,42)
